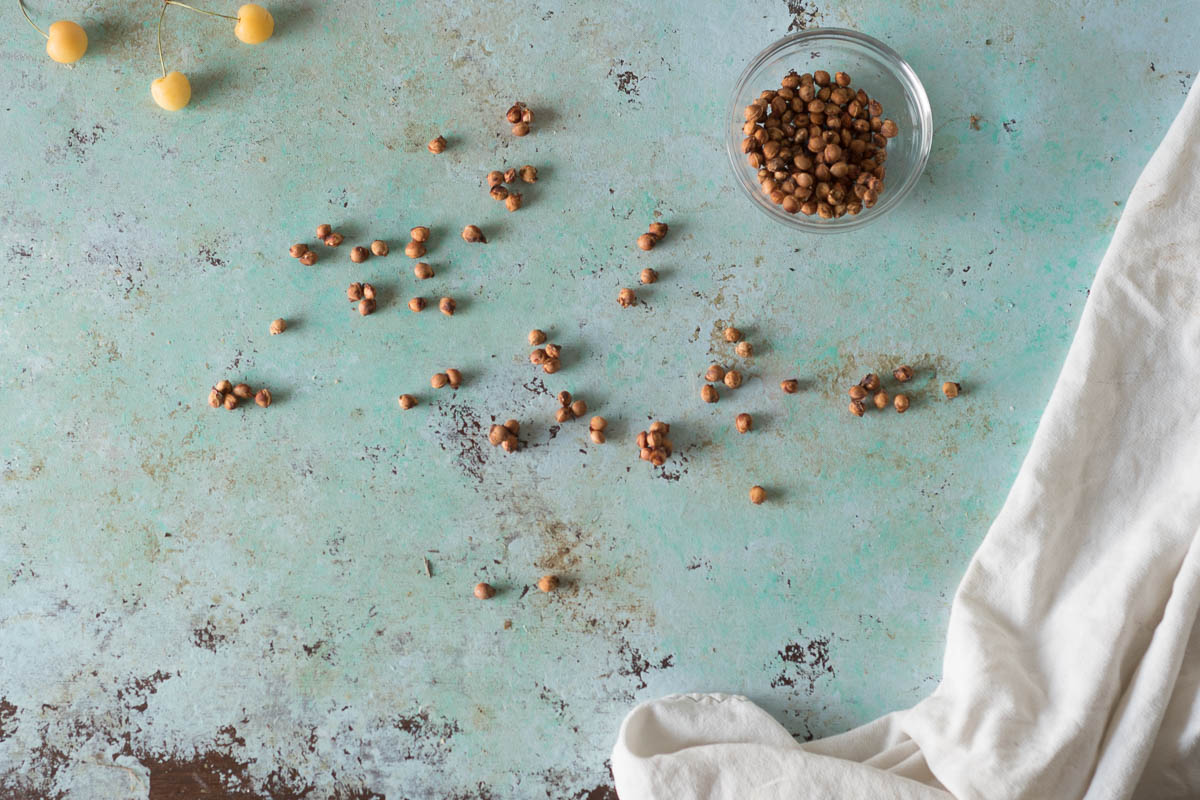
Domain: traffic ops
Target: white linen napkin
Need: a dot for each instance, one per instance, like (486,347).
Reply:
(1072,666)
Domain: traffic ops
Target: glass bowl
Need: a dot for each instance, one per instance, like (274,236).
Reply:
(873,67)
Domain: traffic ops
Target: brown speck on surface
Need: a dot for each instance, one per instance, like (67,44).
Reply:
(975,122)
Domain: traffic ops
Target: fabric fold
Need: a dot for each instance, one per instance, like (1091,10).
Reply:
(1071,657)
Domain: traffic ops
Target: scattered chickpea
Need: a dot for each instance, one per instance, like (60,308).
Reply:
(419,234)
(416,304)
(368,291)
(454,377)
(379,247)
(870,382)
(757,495)
(472,233)
(857,408)
(900,401)
(498,192)
(334,239)
(485,591)
(708,393)
(520,129)
(714,373)
(903,373)
(597,436)
(563,414)
(414,249)
(529,173)
(648,276)
(951,389)
(553,350)
(660,427)
(510,175)
(366,306)
(278,326)
(526,115)
(646,241)
(551,366)
(354,292)
(407,401)
(263,397)
(733,379)
(744,349)
(732,335)
(888,129)
(548,583)
(216,398)
(509,445)
(790,386)
(447,305)
(224,386)
(497,434)
(857,392)
(422,270)
(495,178)
(439,380)
(658,230)
(231,402)
(538,356)
(881,399)
(597,424)
(564,398)
(743,422)
(512,426)
(437,144)
(578,408)
(298,250)
(243,391)
(358,254)
(513,201)
(323,231)
(626,298)
(536,337)
(309,258)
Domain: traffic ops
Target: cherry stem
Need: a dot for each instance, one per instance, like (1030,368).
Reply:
(21,3)
(198,10)
(161,63)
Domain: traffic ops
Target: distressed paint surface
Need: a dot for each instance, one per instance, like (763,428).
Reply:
(235,604)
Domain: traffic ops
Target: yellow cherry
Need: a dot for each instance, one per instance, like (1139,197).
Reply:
(172,91)
(255,24)
(66,42)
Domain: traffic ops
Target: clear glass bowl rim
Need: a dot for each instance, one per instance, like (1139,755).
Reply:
(891,197)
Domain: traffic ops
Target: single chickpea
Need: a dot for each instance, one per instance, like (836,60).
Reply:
(715,373)
(437,144)
(597,436)
(563,414)
(512,426)
(414,249)
(660,427)
(485,591)
(881,399)
(366,306)
(498,192)
(224,387)
(422,270)
(626,298)
(416,304)
(368,291)
(379,247)
(841,79)
(597,424)
(334,239)
(648,276)
(536,337)
(646,241)
(870,382)
(900,401)
(514,201)
(757,495)
(857,408)
(243,391)
(857,392)
(513,114)
(407,401)
(658,229)
(472,233)
(888,129)
(454,377)
(439,380)
(231,402)
(744,349)
(510,445)
(278,326)
(510,175)
(553,350)
(358,254)
(419,234)
(298,250)
(903,373)
(732,335)
(951,389)
(538,356)
(323,231)
(497,434)
(447,306)
(733,379)
(564,398)
(263,397)
(578,408)
(354,292)
(495,178)
(216,398)
(708,393)
(308,258)
(529,173)
(551,366)
(743,422)
(547,583)
(520,129)
(789,386)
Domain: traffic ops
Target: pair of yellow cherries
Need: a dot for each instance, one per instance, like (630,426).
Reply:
(67,41)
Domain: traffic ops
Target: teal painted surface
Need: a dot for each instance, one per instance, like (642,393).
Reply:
(243,593)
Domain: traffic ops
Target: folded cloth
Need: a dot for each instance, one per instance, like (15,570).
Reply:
(1072,666)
